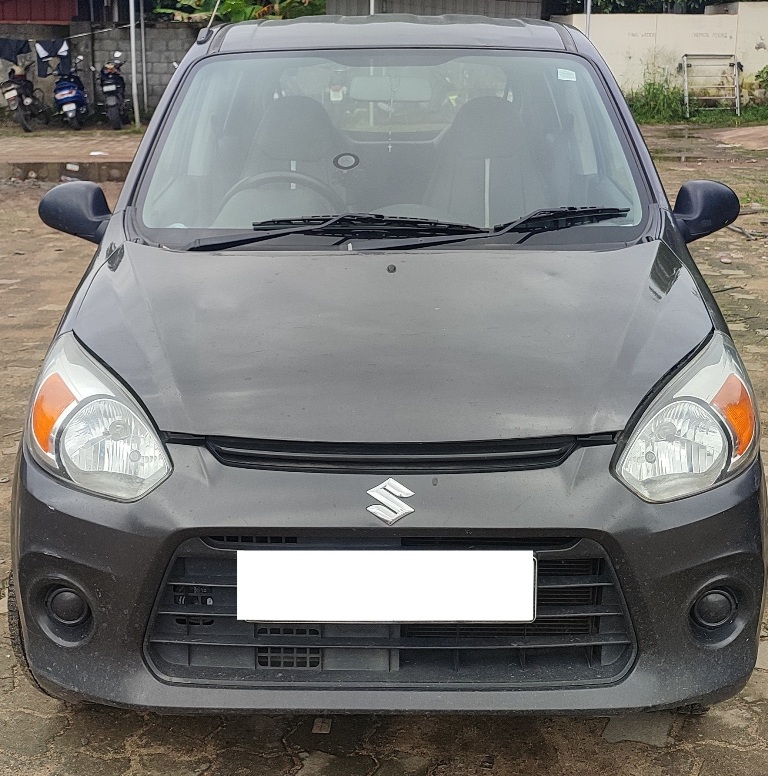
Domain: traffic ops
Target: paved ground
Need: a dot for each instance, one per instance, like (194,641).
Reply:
(65,145)
(55,154)
(38,736)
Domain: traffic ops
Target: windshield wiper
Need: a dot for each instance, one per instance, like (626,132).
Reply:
(346,225)
(548,220)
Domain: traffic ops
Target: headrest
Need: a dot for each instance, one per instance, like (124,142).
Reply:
(484,128)
(296,128)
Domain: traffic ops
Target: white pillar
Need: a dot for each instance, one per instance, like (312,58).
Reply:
(143,56)
(587,15)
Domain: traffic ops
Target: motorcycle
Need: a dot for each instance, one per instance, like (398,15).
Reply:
(113,87)
(71,98)
(24,101)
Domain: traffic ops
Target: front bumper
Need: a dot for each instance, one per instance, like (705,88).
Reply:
(119,554)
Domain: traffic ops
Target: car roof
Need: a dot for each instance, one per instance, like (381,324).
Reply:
(392,31)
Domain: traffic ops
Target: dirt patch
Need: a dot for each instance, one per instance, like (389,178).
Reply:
(749,138)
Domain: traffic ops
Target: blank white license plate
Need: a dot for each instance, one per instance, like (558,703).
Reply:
(70,106)
(109,87)
(386,586)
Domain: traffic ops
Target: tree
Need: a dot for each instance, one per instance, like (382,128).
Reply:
(240,10)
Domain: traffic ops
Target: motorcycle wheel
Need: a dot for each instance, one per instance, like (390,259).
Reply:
(75,122)
(113,114)
(22,118)
(40,108)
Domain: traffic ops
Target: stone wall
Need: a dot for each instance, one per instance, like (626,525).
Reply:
(32,32)
(167,42)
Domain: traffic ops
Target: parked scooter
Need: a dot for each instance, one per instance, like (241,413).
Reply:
(24,101)
(71,98)
(113,86)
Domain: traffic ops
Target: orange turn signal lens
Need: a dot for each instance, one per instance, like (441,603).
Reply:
(52,399)
(734,401)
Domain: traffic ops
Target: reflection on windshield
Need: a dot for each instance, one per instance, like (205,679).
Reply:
(447,136)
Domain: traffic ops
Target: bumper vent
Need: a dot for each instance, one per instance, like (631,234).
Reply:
(581,634)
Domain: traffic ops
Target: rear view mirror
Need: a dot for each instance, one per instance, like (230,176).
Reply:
(703,207)
(387,88)
(79,208)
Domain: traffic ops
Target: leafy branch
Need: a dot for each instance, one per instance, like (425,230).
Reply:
(240,10)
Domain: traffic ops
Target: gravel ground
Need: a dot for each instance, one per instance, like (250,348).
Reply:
(38,271)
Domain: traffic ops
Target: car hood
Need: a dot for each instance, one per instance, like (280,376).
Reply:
(417,346)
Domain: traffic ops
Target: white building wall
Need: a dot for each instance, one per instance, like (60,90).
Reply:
(633,44)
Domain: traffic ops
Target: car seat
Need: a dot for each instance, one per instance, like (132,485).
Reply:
(295,135)
(486,172)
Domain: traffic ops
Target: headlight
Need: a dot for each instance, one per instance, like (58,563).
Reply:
(85,427)
(700,430)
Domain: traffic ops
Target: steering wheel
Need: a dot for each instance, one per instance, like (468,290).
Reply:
(299,178)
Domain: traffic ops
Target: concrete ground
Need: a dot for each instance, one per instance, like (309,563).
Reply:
(39,736)
(52,154)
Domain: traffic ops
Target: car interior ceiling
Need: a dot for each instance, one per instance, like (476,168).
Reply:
(499,158)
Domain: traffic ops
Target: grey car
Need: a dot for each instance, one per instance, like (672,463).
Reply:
(392,386)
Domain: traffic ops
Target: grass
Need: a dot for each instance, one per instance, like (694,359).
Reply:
(750,115)
(658,101)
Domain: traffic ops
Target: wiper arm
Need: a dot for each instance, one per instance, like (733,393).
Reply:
(346,225)
(548,220)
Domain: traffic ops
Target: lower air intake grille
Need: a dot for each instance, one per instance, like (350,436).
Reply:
(581,634)
(288,657)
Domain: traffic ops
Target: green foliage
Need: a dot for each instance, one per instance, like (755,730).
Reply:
(240,10)
(761,78)
(657,101)
(751,114)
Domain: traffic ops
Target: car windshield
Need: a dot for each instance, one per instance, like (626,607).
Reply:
(451,136)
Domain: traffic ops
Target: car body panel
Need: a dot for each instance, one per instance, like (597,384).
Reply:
(402,30)
(669,550)
(445,345)
(453,345)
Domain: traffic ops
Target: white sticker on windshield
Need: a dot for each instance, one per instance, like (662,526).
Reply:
(565,75)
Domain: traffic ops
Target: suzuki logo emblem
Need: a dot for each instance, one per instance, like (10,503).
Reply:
(393,508)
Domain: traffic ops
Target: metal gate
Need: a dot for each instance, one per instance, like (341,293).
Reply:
(712,78)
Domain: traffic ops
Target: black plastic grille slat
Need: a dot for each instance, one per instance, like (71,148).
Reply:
(544,612)
(423,639)
(581,632)
(280,542)
(395,457)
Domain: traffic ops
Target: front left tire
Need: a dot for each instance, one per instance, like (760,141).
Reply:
(17,637)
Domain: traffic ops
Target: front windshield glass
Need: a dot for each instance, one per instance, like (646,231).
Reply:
(479,138)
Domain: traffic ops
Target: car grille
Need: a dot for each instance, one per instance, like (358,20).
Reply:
(397,457)
(581,635)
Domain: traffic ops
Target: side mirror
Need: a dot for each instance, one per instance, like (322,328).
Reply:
(79,208)
(80,58)
(703,207)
